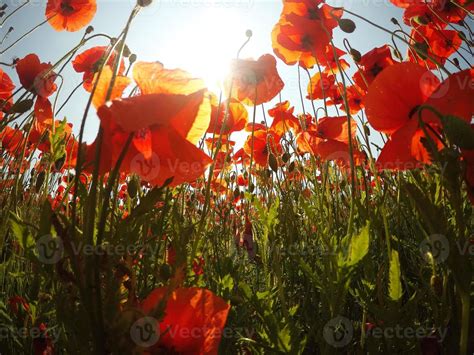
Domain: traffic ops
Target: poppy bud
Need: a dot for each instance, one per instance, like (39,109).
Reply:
(394,21)
(272,161)
(39,181)
(132,58)
(165,272)
(462,35)
(291,167)
(4,7)
(356,55)
(248,33)
(347,25)
(132,188)
(397,54)
(22,106)
(456,63)
(367,130)
(421,49)
(144,3)
(436,283)
(58,164)
(126,51)
(89,29)
(421,20)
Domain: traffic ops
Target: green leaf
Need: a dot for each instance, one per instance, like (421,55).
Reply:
(359,246)
(21,232)
(394,283)
(45,219)
(458,131)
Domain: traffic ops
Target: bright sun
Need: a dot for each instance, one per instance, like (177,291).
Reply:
(207,46)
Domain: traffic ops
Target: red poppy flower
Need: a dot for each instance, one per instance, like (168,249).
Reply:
(393,101)
(6,90)
(371,64)
(235,120)
(226,144)
(102,88)
(320,85)
(18,304)
(304,31)
(330,140)
(354,98)
(90,61)
(241,157)
(167,120)
(198,266)
(434,12)
(264,143)
(435,43)
(189,311)
(254,82)
(11,139)
(43,344)
(283,118)
(332,60)
(70,15)
(35,76)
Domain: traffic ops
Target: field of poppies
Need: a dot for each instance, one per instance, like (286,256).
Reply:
(346,229)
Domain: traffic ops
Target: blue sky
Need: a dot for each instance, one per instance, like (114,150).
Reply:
(195,35)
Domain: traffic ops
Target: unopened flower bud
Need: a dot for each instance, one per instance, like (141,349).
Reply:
(144,3)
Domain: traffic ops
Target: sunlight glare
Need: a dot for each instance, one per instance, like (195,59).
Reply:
(205,46)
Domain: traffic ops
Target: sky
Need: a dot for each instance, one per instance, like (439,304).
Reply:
(200,36)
